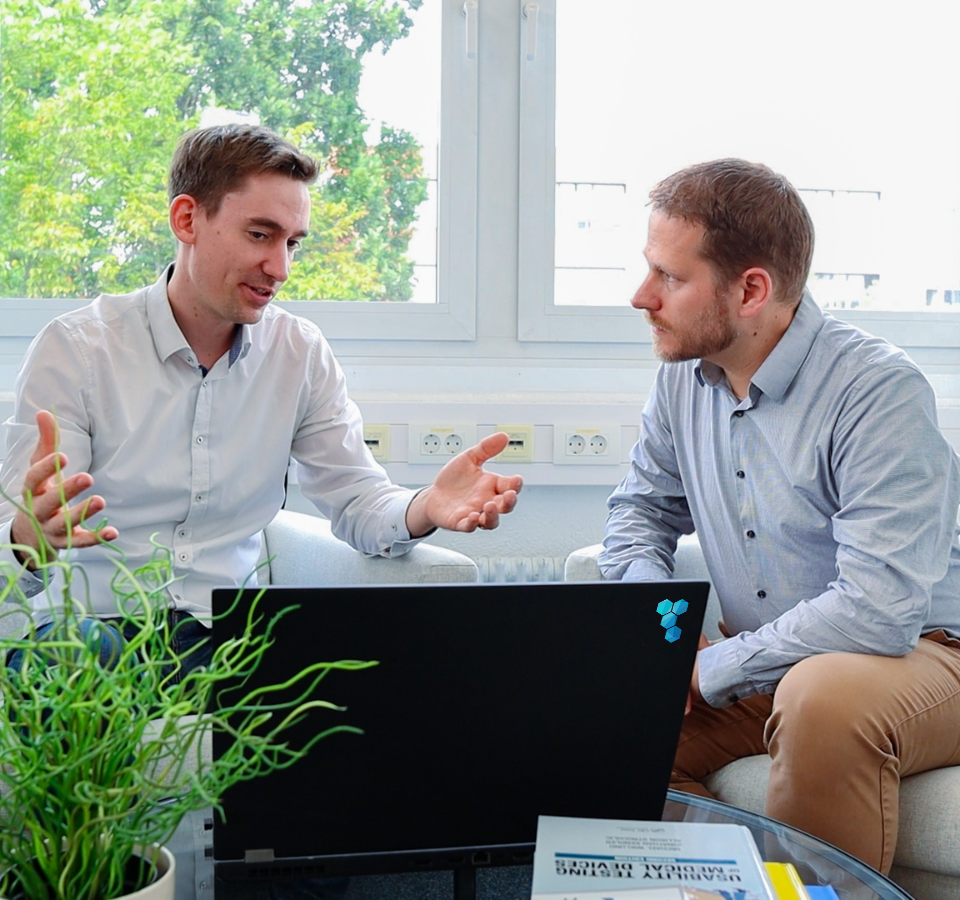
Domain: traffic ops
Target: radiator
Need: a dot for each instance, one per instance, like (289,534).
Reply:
(521,568)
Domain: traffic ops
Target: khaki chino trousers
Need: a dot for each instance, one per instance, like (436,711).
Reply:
(841,729)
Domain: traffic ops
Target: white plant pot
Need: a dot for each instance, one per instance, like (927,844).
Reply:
(165,885)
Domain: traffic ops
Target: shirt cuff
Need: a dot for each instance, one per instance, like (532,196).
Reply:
(720,675)
(27,581)
(399,540)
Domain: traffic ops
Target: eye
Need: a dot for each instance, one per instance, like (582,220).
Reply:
(293,246)
(258,235)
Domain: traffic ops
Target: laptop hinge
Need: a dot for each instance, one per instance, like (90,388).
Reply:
(258,856)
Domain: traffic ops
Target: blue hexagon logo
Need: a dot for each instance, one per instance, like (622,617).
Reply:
(669,612)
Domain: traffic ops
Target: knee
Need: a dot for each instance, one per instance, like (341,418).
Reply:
(827,691)
(102,638)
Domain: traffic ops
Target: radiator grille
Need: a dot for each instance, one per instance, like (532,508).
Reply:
(521,568)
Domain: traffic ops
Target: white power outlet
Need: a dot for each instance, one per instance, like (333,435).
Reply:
(590,445)
(437,443)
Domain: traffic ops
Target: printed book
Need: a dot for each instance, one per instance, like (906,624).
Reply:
(619,859)
(786,881)
(661,893)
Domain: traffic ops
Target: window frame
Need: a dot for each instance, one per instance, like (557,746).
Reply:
(454,316)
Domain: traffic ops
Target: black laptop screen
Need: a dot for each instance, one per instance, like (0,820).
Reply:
(491,705)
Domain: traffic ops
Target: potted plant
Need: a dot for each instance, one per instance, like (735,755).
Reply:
(94,772)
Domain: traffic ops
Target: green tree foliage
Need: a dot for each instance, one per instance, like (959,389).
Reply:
(96,92)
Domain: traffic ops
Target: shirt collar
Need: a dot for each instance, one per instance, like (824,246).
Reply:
(778,370)
(782,364)
(168,339)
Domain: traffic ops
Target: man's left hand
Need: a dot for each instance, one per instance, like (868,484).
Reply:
(464,496)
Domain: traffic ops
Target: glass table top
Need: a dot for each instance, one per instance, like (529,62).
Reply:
(816,861)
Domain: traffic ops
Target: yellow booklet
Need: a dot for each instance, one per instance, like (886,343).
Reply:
(786,881)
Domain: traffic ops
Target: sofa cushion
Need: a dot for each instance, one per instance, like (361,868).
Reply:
(929,837)
(304,551)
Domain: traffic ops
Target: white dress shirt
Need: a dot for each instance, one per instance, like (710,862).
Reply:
(196,462)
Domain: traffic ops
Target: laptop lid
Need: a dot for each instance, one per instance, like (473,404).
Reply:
(491,705)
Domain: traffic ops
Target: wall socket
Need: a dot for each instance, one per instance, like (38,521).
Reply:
(520,448)
(589,445)
(438,443)
(377,439)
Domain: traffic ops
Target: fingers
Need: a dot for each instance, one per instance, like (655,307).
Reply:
(489,447)
(62,526)
(47,442)
(508,483)
(50,518)
(40,478)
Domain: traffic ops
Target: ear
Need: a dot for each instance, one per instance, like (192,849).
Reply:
(756,291)
(184,211)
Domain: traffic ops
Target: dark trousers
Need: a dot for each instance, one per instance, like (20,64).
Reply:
(186,633)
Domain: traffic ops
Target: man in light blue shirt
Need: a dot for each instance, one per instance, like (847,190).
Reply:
(806,456)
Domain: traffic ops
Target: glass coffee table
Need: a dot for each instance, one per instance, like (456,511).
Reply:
(816,861)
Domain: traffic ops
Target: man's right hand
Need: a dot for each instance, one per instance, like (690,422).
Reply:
(48,494)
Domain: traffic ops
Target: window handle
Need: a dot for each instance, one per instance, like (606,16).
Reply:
(470,11)
(530,11)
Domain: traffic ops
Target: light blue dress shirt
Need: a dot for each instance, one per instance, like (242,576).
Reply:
(825,503)
(197,459)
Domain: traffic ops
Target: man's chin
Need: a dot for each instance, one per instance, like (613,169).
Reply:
(667,353)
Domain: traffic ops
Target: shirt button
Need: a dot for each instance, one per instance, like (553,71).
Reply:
(741,473)
(182,533)
(200,439)
(761,594)
(751,534)
(183,557)
(739,413)
(199,497)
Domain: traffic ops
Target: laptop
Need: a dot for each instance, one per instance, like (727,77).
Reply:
(491,705)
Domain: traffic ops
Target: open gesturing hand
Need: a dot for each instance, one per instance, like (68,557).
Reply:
(47,493)
(465,496)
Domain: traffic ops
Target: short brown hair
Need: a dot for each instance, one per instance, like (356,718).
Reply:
(751,216)
(210,162)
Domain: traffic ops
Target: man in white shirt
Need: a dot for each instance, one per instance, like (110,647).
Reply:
(184,401)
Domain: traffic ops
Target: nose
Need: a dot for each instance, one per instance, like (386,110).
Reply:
(645,297)
(277,263)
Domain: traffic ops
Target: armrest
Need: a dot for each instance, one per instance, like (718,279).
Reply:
(581,565)
(306,553)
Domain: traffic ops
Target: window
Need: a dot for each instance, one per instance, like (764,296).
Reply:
(99,92)
(858,106)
